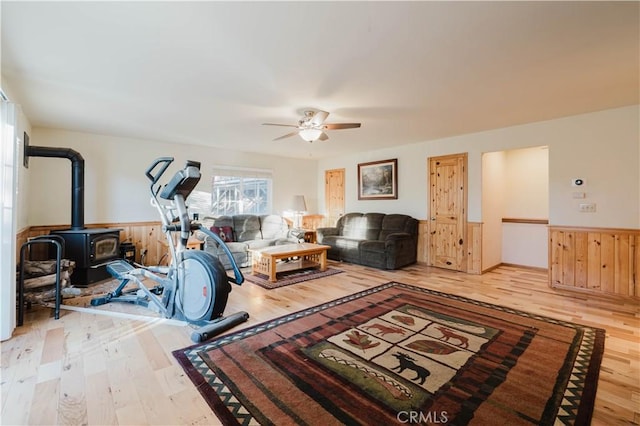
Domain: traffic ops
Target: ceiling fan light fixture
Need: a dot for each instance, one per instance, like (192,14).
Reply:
(310,135)
(312,127)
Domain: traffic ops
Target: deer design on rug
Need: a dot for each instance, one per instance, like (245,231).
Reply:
(450,334)
(407,363)
(385,329)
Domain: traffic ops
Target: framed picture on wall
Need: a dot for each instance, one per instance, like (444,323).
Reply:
(378,180)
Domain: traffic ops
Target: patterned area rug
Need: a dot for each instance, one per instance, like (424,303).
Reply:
(401,354)
(290,277)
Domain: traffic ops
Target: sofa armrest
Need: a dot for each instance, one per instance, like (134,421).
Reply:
(210,243)
(296,234)
(401,248)
(325,232)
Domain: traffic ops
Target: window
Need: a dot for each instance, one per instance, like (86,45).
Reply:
(200,202)
(240,191)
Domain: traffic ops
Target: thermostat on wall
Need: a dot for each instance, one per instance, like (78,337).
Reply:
(577,182)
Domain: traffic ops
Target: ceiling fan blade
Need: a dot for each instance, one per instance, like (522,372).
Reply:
(288,135)
(282,125)
(323,137)
(338,126)
(319,117)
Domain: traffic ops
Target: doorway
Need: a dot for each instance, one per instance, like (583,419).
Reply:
(515,207)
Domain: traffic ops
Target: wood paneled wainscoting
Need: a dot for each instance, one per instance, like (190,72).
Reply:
(474,248)
(21,237)
(473,264)
(423,242)
(146,236)
(595,260)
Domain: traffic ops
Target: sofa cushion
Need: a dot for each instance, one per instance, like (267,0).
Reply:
(373,253)
(238,251)
(394,223)
(361,226)
(343,248)
(372,245)
(258,244)
(241,258)
(246,227)
(273,227)
(223,221)
(236,247)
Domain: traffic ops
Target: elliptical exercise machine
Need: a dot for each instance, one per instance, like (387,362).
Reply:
(195,286)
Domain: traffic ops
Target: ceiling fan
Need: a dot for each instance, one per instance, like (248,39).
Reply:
(312,127)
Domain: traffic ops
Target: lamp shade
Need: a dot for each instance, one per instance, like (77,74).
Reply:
(310,135)
(299,205)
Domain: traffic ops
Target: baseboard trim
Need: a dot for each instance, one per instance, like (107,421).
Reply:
(515,265)
(533,268)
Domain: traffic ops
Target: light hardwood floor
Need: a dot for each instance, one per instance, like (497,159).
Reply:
(106,370)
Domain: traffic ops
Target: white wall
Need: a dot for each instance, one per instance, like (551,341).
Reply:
(493,205)
(412,184)
(526,197)
(527,183)
(525,244)
(116,189)
(601,147)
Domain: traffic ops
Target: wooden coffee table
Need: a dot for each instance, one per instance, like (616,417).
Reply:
(265,260)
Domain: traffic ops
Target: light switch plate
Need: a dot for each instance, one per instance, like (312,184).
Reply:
(587,207)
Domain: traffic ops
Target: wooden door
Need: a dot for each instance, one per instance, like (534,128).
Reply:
(334,195)
(448,212)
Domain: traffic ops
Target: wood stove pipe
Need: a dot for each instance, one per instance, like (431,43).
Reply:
(77,178)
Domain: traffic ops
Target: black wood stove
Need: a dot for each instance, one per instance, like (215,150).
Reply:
(90,248)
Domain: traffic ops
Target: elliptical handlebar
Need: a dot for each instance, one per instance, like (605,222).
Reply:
(154,179)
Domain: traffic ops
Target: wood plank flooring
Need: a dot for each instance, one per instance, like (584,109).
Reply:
(108,370)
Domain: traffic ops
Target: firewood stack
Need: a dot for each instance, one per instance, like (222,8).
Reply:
(40,280)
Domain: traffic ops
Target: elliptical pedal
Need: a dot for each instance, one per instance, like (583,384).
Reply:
(118,268)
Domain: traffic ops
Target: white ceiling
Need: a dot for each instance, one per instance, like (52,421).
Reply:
(211,72)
